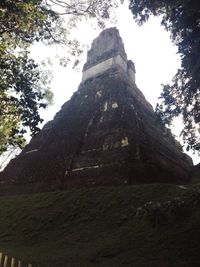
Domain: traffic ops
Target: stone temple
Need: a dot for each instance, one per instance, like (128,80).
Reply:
(106,134)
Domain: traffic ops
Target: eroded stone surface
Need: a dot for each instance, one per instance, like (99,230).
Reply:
(108,44)
(106,134)
(107,52)
(79,148)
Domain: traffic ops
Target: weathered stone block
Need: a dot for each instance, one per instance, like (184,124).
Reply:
(106,134)
(107,52)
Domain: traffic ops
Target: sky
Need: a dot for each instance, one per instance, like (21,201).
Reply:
(148,46)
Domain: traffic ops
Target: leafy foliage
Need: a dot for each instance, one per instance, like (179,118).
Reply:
(21,98)
(21,91)
(182,19)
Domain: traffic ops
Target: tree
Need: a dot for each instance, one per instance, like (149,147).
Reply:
(182,97)
(23,89)
(21,93)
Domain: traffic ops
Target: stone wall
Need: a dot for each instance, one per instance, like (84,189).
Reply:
(113,62)
(106,134)
(107,52)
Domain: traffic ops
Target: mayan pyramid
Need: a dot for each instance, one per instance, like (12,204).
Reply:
(106,134)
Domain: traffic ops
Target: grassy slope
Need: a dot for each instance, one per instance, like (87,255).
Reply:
(98,227)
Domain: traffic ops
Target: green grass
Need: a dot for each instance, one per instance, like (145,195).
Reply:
(99,227)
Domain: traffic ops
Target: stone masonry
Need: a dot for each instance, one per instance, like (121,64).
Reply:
(106,134)
(107,52)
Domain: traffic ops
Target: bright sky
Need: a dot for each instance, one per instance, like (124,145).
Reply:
(148,46)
